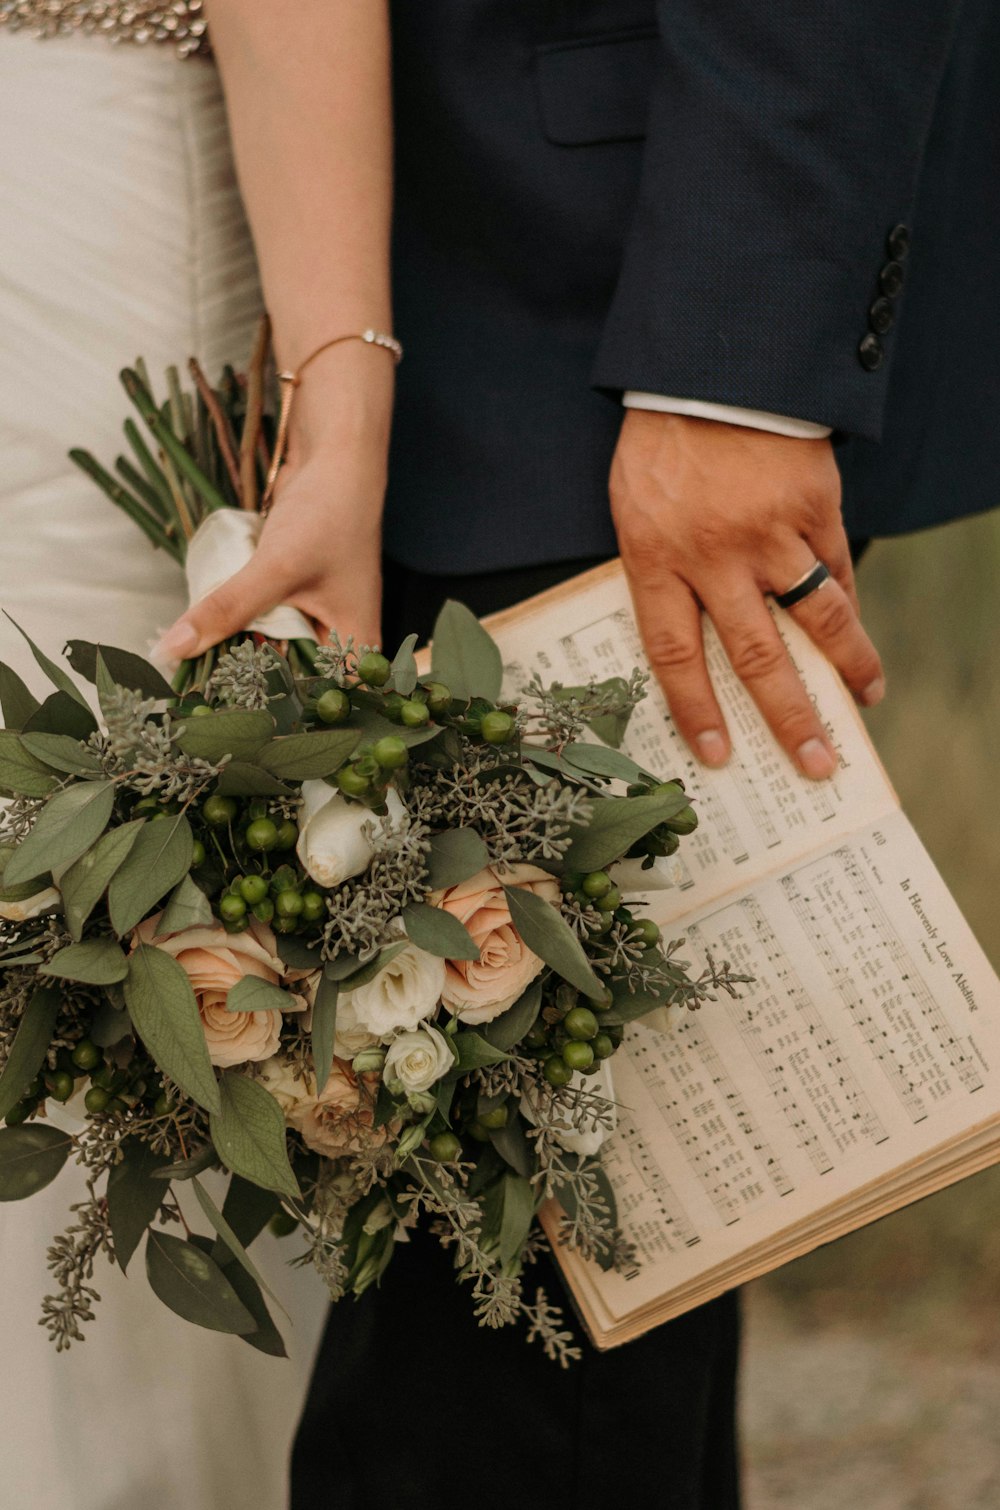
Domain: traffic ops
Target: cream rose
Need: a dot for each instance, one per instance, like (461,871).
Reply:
(214,961)
(340,1119)
(278,1076)
(479,990)
(404,993)
(337,838)
(20,911)
(418,1059)
(350,1037)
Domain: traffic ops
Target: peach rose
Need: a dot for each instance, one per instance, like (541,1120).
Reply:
(340,1120)
(214,961)
(479,990)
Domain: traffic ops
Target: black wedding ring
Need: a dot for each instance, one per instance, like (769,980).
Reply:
(810,583)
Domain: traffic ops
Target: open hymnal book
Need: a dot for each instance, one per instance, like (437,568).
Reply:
(860,1070)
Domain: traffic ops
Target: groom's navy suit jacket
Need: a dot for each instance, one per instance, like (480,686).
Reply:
(786,205)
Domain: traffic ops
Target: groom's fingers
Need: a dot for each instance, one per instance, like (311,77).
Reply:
(224,612)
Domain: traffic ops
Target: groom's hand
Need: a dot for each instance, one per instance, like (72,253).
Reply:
(712,515)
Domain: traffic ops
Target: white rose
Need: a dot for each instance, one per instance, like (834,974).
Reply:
(418,1059)
(277,1075)
(403,993)
(350,1038)
(30,907)
(333,844)
(629,876)
(586,1139)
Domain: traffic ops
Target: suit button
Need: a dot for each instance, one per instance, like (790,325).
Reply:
(891,279)
(898,242)
(881,316)
(871,353)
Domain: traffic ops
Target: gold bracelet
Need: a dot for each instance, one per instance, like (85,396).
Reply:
(290,381)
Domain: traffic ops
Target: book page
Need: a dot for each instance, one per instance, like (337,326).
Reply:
(869,1038)
(758,810)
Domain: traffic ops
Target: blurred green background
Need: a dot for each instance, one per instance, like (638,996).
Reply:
(872,1367)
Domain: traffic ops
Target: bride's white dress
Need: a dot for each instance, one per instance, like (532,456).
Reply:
(120,234)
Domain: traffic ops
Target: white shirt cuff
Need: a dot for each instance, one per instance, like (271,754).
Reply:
(754,419)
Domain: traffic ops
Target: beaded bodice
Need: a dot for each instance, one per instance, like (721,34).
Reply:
(178,22)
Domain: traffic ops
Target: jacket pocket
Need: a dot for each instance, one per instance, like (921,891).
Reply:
(596,89)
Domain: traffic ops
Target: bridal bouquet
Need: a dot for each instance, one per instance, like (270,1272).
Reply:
(354,939)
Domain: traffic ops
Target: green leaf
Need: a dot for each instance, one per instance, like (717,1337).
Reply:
(631,1005)
(324,1027)
(599,760)
(30,1158)
(236,732)
(164,1011)
(109,1024)
(251,994)
(370,726)
(61,714)
(456,854)
(510,1141)
(507,1030)
(135,1195)
(17,702)
(404,667)
(83,885)
(30,1046)
(63,753)
(158,860)
(95,962)
(107,692)
(435,930)
(20,770)
(203,1158)
(464,656)
(518,1215)
(184,1277)
(249,1134)
(231,1241)
(297,953)
(242,779)
(247,1209)
(126,668)
(56,675)
(188,907)
(474,1053)
(547,933)
(616,823)
(69,823)
(266,1339)
(308,757)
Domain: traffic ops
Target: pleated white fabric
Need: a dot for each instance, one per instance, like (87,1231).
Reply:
(121,234)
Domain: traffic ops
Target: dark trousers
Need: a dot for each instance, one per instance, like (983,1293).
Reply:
(414,1406)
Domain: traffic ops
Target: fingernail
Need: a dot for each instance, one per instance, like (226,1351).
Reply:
(711,747)
(180,641)
(815,759)
(873,693)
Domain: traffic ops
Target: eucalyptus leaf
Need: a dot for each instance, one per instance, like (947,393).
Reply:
(126,668)
(69,824)
(30,1046)
(186,1279)
(507,1030)
(164,1011)
(247,1209)
(266,1339)
(62,714)
(30,1158)
(599,760)
(370,726)
(464,656)
(237,732)
(404,667)
(547,933)
(188,907)
(230,1240)
(297,953)
(324,1027)
(474,1053)
(630,1005)
(86,881)
(455,855)
(616,823)
(157,861)
(63,753)
(135,1195)
(518,1215)
(248,1131)
(185,1169)
(243,779)
(109,1024)
(307,757)
(95,962)
(16,700)
(56,675)
(438,932)
(511,1142)
(20,770)
(107,690)
(252,994)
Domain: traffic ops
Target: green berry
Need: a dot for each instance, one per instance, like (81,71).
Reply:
(445,1147)
(596,885)
(86,1055)
(285,925)
(557,1071)
(288,904)
(283,878)
(414,715)
(579,1056)
(333,706)
(282,1224)
(96,1100)
(231,909)
(197,854)
(374,669)
(603,1046)
(391,752)
(263,911)
(479,1131)
(496,1118)
(313,906)
(648,932)
(438,697)
(257,808)
(253,889)
(218,811)
(288,835)
(684,822)
(19,1112)
(238,925)
(537,1037)
(604,924)
(262,834)
(352,782)
(200,710)
(496,727)
(60,1085)
(163,1105)
(580,1023)
(611,899)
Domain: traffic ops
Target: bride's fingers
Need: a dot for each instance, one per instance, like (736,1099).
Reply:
(247,594)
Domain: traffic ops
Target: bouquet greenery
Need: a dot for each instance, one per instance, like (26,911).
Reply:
(352,935)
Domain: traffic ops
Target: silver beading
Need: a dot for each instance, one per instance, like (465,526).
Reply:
(181,23)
